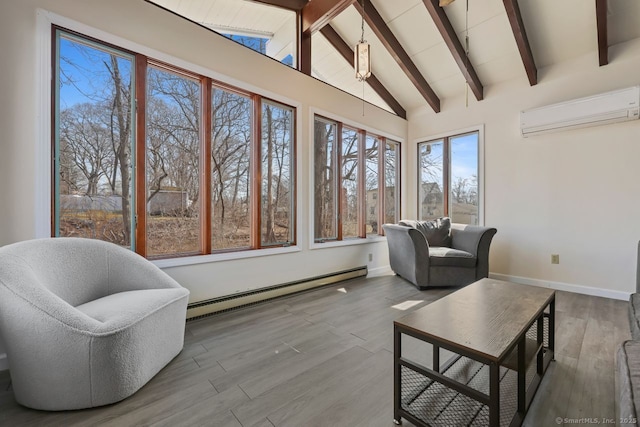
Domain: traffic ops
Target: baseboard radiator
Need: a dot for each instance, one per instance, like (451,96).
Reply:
(212,306)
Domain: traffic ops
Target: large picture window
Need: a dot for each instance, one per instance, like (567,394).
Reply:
(355,181)
(231,142)
(93,144)
(325,179)
(448,178)
(350,189)
(163,160)
(173,154)
(277,174)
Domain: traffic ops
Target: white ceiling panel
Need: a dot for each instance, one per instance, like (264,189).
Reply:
(437,61)
(450,87)
(415,30)
(390,10)
(479,11)
(501,69)
(490,40)
(559,30)
(232,14)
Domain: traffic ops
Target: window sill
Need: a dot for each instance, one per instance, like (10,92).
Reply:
(348,242)
(227,256)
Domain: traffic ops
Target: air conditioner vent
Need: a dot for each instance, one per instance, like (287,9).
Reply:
(610,107)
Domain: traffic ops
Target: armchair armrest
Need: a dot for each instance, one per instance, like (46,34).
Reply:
(27,299)
(129,271)
(408,252)
(475,240)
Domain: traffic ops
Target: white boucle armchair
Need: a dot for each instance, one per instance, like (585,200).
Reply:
(86,323)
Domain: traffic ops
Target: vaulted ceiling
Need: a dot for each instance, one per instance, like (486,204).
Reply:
(418,47)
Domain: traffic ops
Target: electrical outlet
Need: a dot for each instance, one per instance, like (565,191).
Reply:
(555,259)
(370,257)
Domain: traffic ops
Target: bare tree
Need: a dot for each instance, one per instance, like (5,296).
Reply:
(231,141)
(120,130)
(86,142)
(278,180)
(269,210)
(459,190)
(324,180)
(173,140)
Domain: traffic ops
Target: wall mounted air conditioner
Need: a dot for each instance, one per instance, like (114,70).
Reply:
(610,107)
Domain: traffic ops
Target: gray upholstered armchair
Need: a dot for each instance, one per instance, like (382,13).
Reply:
(438,253)
(86,323)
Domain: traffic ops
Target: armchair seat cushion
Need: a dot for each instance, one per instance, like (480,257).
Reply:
(125,308)
(441,256)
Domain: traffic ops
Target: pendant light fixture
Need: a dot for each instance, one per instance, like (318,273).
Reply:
(362,55)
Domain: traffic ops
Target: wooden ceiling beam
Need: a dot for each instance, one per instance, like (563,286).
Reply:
(318,13)
(520,34)
(304,52)
(391,43)
(601,20)
(296,5)
(347,53)
(453,43)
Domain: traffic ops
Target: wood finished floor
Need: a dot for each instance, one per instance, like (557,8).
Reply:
(324,358)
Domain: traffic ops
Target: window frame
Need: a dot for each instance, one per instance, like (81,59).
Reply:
(54,112)
(336,181)
(445,137)
(49,25)
(257,181)
(362,132)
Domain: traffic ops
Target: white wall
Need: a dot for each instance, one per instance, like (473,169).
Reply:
(148,26)
(573,193)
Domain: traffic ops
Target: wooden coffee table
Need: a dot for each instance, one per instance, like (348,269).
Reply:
(496,330)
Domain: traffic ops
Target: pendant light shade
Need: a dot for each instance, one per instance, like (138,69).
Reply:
(362,56)
(362,61)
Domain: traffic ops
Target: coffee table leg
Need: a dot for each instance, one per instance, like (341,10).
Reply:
(522,392)
(436,358)
(552,327)
(494,395)
(540,341)
(397,353)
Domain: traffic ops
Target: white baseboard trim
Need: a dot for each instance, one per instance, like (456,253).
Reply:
(560,286)
(4,363)
(379,271)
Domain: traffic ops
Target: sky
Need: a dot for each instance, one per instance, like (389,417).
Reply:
(83,67)
(257,44)
(464,157)
(83,72)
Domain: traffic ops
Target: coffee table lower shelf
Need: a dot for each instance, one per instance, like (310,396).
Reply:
(425,401)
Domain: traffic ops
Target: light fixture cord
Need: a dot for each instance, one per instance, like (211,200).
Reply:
(363,98)
(362,34)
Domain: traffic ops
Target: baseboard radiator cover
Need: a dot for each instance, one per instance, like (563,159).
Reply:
(213,306)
